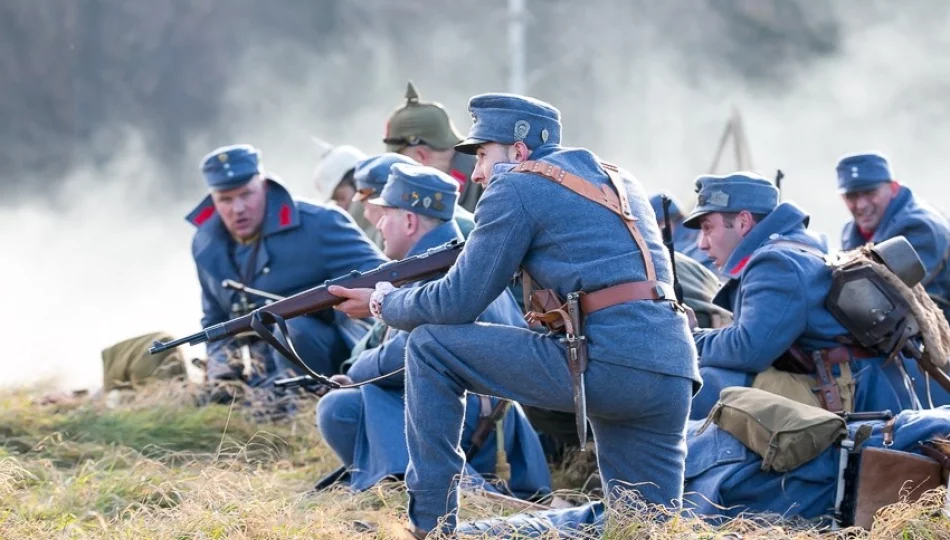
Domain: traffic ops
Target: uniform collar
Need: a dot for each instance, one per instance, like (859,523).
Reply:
(438,236)
(787,219)
(460,168)
(903,199)
(281,213)
(537,154)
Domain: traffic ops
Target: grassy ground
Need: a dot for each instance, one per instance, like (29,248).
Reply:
(159,467)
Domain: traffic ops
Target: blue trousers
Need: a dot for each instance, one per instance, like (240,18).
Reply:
(638,418)
(365,428)
(339,414)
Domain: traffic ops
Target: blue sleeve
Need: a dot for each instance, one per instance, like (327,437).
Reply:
(343,247)
(492,254)
(930,247)
(772,316)
(213,314)
(378,361)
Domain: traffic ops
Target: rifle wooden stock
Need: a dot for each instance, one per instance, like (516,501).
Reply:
(419,267)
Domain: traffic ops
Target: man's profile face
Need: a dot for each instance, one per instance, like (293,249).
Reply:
(486,157)
(242,208)
(718,237)
(396,231)
(372,212)
(868,206)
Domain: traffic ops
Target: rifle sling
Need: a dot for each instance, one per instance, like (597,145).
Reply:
(487,418)
(274,339)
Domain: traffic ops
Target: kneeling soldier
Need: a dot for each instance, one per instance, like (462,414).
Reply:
(585,230)
(365,426)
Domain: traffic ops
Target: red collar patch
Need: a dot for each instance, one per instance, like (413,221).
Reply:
(738,267)
(204,215)
(284,215)
(458,175)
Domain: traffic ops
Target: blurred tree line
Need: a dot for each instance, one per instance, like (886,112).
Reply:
(69,68)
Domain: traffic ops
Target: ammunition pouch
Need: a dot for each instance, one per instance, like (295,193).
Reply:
(545,308)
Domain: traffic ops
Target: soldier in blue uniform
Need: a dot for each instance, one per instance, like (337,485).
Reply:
(883,209)
(605,243)
(685,240)
(724,478)
(365,426)
(371,176)
(250,229)
(777,282)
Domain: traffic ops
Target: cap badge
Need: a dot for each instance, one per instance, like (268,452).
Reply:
(522,127)
(222,158)
(427,202)
(718,198)
(854,172)
(544,135)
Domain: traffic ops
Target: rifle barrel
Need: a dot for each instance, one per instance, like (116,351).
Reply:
(414,268)
(193,339)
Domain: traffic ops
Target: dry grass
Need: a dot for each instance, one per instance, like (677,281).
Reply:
(159,467)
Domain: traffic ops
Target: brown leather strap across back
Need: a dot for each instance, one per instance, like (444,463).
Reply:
(604,196)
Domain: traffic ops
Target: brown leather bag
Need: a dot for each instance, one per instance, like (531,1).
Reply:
(890,476)
(542,306)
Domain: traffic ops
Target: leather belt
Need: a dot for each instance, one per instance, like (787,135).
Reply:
(843,355)
(625,292)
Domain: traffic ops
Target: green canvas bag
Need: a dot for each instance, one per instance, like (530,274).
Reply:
(785,433)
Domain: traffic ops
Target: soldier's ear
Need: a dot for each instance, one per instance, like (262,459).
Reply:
(423,154)
(412,222)
(521,152)
(746,222)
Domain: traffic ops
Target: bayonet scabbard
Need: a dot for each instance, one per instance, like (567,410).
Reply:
(577,364)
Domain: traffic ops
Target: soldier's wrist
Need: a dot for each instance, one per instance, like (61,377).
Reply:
(376,299)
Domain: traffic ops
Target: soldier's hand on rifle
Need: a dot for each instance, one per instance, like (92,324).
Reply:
(357,304)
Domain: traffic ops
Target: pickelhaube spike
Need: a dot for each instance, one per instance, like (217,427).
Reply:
(412,95)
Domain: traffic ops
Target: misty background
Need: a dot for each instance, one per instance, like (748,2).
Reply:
(108,106)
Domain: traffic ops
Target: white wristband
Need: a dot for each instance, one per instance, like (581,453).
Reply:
(376,299)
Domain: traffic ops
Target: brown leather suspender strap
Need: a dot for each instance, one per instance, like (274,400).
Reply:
(629,220)
(604,196)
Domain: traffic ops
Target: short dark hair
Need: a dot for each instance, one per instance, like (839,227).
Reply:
(729,218)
